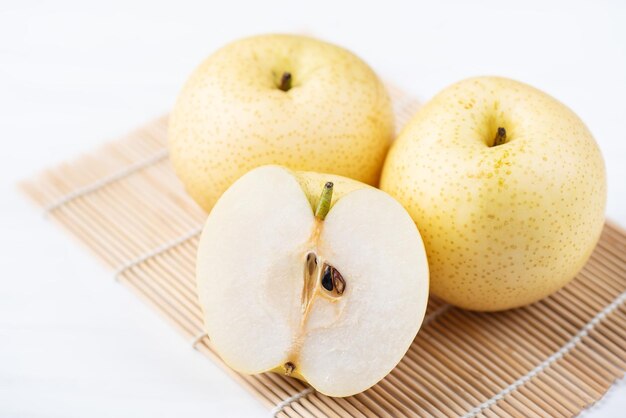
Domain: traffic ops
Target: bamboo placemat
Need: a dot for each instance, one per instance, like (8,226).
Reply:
(554,358)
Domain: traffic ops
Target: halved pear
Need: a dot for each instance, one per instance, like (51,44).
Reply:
(332,292)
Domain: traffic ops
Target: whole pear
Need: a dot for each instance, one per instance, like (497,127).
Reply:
(507,187)
(278,99)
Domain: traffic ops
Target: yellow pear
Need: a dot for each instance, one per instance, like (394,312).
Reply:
(507,187)
(278,99)
(312,275)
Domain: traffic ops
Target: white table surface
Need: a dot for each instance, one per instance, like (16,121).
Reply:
(73,343)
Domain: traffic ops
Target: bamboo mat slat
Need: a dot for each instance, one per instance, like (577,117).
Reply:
(554,358)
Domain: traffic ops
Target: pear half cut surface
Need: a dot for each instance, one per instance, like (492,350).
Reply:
(334,300)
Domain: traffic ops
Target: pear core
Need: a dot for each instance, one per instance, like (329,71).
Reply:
(334,302)
(321,280)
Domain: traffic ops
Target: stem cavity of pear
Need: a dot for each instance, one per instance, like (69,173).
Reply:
(323,204)
(500,137)
(285,81)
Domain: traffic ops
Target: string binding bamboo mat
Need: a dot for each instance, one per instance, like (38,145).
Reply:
(554,358)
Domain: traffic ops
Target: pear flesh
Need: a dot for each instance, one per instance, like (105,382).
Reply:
(335,301)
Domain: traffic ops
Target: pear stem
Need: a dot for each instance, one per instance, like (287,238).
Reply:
(500,137)
(323,205)
(285,81)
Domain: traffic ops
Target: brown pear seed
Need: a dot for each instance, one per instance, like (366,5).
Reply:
(311,263)
(327,278)
(338,282)
(332,280)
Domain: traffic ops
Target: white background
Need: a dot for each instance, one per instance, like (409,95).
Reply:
(72,75)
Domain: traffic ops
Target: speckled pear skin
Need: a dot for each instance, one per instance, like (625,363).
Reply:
(503,226)
(231,115)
